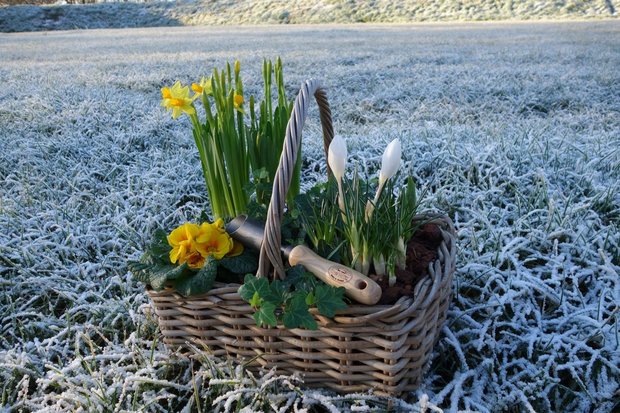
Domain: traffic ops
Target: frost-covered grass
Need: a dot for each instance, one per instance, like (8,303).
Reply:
(514,130)
(148,13)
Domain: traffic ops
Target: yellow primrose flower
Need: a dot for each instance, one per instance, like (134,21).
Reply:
(238,102)
(177,100)
(203,86)
(213,240)
(182,241)
(192,244)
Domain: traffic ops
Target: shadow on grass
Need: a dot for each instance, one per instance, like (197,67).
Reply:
(28,18)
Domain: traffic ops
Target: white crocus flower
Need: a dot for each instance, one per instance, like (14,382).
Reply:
(337,160)
(390,163)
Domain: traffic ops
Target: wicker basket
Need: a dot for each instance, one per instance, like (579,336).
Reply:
(384,348)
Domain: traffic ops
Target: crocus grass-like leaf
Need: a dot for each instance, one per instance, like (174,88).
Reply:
(266,315)
(194,283)
(328,300)
(297,314)
(252,284)
(245,263)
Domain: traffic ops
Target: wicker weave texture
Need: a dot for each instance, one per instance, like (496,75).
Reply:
(384,348)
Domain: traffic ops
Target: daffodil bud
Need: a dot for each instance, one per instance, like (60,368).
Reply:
(237,67)
(390,162)
(337,157)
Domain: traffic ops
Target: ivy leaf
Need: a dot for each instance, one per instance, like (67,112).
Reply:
(328,300)
(154,274)
(245,263)
(301,279)
(256,301)
(200,282)
(278,293)
(297,314)
(251,285)
(266,315)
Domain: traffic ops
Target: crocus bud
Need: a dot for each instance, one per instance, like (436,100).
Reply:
(390,162)
(337,157)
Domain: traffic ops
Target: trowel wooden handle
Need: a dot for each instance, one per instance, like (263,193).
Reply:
(357,286)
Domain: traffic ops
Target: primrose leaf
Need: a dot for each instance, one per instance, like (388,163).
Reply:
(200,282)
(160,249)
(266,315)
(245,263)
(297,315)
(328,300)
(251,285)
(156,275)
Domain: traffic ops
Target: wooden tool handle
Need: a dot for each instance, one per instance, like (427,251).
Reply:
(357,286)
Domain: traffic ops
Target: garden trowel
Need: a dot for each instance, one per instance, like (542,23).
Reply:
(357,286)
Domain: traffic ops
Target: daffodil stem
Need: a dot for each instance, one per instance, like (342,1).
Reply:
(207,171)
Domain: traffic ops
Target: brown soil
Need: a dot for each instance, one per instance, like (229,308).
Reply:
(421,251)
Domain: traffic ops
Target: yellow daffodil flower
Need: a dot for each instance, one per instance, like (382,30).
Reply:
(238,102)
(177,100)
(203,86)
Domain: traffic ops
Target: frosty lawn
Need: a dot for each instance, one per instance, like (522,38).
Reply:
(513,130)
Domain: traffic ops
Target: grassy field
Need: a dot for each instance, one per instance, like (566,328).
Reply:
(151,13)
(512,129)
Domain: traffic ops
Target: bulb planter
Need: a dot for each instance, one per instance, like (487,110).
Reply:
(385,348)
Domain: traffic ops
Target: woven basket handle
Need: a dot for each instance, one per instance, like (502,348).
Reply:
(270,254)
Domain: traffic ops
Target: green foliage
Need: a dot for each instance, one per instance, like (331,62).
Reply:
(156,274)
(193,283)
(320,218)
(253,285)
(155,269)
(245,263)
(353,236)
(266,134)
(221,142)
(328,300)
(296,313)
(289,301)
